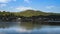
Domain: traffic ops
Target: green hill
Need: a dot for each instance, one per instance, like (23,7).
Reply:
(30,13)
(27,13)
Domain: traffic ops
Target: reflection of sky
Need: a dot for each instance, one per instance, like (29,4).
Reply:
(14,30)
(48,30)
(43,30)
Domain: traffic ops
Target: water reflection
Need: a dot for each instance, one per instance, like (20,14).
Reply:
(27,28)
(17,27)
(4,24)
(30,25)
(27,25)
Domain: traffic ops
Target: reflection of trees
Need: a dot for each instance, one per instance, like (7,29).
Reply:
(30,25)
(4,24)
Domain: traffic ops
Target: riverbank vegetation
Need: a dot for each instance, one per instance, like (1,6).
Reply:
(33,16)
(27,15)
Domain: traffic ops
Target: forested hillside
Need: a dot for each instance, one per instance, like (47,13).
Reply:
(27,13)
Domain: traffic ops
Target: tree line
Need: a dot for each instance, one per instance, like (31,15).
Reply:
(26,13)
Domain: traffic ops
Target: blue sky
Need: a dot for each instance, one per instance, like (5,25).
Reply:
(20,5)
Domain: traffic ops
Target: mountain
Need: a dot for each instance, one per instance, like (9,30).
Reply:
(30,13)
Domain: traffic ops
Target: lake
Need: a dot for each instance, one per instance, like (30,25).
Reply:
(27,28)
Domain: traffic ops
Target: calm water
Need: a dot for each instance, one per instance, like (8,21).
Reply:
(24,28)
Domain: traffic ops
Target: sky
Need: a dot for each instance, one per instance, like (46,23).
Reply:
(20,5)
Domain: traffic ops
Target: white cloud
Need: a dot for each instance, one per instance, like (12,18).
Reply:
(2,5)
(50,7)
(27,1)
(6,1)
(24,8)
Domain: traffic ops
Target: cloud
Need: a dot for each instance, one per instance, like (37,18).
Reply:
(50,7)
(2,5)
(24,8)
(6,1)
(27,1)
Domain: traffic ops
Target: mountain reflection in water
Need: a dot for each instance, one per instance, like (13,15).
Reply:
(16,27)
(27,28)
